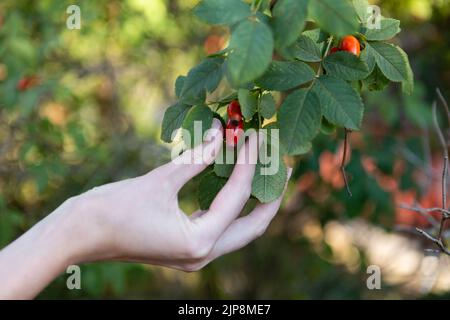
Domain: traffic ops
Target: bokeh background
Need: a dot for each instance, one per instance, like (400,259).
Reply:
(92,115)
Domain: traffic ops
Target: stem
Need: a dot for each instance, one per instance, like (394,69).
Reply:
(258,106)
(444,103)
(330,41)
(344,157)
(444,170)
(255,7)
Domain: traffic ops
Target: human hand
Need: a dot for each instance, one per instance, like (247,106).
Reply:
(140,220)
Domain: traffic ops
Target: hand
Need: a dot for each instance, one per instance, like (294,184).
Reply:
(140,220)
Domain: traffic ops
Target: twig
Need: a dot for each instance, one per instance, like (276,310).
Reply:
(344,157)
(444,103)
(425,212)
(437,241)
(444,170)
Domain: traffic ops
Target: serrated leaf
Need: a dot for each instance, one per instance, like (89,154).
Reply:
(299,120)
(222,11)
(285,75)
(317,35)
(340,103)
(388,29)
(346,66)
(270,179)
(376,81)
(408,84)
(223,170)
(304,49)
(203,78)
(326,127)
(289,17)
(173,119)
(263,4)
(208,188)
(249,103)
(361,8)
(368,57)
(267,106)
(252,48)
(224,164)
(337,17)
(197,121)
(390,61)
(179,83)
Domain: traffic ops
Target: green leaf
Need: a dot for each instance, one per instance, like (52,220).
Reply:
(272,138)
(390,60)
(197,121)
(376,81)
(249,103)
(263,4)
(179,83)
(317,35)
(223,170)
(208,188)
(368,57)
(389,28)
(304,49)
(299,120)
(285,75)
(252,48)
(326,127)
(222,11)
(408,84)
(340,103)
(173,119)
(267,106)
(270,179)
(203,78)
(362,9)
(289,17)
(337,17)
(224,164)
(346,66)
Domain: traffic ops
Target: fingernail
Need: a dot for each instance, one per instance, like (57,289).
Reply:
(289,172)
(215,129)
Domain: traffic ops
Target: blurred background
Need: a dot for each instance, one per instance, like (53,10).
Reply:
(80,108)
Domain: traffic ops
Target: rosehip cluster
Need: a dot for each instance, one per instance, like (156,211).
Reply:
(235,124)
(349,44)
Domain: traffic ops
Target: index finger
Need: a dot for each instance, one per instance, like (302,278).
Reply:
(230,201)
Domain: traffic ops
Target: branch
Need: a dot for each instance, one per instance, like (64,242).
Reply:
(425,212)
(444,170)
(438,242)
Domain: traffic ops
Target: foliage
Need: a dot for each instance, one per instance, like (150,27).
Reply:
(95,115)
(329,86)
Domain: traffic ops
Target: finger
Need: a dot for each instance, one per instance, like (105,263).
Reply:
(230,201)
(197,214)
(193,161)
(246,229)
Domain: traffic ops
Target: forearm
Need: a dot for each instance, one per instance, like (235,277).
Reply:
(31,262)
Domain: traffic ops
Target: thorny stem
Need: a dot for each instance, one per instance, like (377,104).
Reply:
(344,157)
